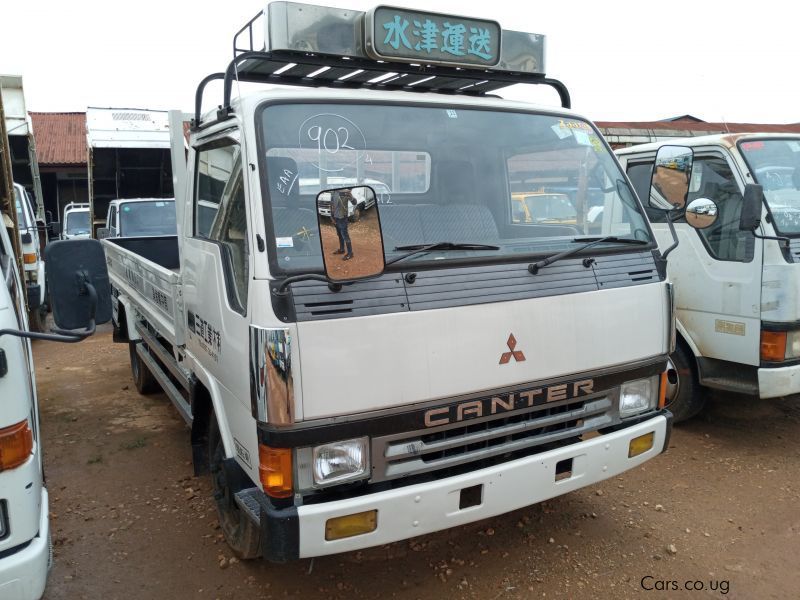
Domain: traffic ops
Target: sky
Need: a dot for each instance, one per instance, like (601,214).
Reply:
(621,60)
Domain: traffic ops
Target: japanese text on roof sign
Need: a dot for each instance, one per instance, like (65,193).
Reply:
(439,38)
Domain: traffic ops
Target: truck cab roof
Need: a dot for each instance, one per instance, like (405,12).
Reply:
(728,140)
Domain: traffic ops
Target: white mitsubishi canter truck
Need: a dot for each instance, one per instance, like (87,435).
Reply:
(736,275)
(435,363)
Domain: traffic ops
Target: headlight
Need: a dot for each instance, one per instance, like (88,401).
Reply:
(340,461)
(638,396)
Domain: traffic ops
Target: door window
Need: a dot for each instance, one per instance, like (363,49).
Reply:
(220,214)
(712,178)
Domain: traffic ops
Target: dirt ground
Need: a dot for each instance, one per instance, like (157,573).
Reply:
(719,509)
(367,248)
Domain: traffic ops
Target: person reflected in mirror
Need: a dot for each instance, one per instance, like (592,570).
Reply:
(339,214)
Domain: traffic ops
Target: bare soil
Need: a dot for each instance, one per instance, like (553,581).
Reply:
(129,520)
(365,235)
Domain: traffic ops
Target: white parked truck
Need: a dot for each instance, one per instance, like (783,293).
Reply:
(32,259)
(129,157)
(736,278)
(467,365)
(21,142)
(77,221)
(25,550)
(140,217)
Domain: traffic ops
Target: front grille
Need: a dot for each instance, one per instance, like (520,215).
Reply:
(404,455)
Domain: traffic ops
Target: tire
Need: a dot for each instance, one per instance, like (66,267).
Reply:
(685,396)
(354,218)
(142,377)
(242,535)
(37,319)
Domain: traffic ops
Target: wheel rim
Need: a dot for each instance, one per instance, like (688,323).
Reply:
(673,382)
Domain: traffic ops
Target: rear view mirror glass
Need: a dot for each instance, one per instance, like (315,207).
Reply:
(702,213)
(103,232)
(350,231)
(73,266)
(670,181)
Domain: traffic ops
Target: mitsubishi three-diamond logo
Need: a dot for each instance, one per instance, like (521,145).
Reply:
(517,354)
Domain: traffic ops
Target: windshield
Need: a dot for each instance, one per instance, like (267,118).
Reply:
(157,217)
(528,183)
(77,222)
(22,220)
(775,164)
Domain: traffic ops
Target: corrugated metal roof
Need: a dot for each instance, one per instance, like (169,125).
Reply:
(688,126)
(60,138)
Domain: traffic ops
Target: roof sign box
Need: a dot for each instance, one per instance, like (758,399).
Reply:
(413,36)
(394,34)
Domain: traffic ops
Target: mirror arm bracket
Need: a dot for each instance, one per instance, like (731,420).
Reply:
(64,335)
(782,240)
(281,290)
(675,241)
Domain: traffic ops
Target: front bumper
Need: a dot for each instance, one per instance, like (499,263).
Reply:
(774,382)
(424,508)
(23,571)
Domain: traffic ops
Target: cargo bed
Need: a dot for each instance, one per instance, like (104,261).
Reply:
(146,270)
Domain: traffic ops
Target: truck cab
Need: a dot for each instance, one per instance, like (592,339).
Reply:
(32,258)
(25,554)
(736,288)
(140,217)
(77,221)
(462,364)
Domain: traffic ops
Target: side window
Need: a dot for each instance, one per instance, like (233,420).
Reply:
(220,214)
(712,178)
(215,162)
(112,221)
(230,230)
(640,175)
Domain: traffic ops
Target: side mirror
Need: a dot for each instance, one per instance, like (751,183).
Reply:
(48,217)
(55,228)
(103,232)
(350,251)
(750,217)
(669,183)
(77,277)
(702,213)
(26,237)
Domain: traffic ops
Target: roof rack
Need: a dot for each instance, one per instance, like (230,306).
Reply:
(314,46)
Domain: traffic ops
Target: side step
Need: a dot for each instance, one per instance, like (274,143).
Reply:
(172,392)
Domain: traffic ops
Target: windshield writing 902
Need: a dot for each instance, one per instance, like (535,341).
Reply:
(528,183)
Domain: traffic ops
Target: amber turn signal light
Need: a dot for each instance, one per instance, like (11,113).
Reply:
(773,346)
(29,258)
(275,471)
(16,445)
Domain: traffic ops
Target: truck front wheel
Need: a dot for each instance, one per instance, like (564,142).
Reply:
(685,397)
(142,377)
(242,535)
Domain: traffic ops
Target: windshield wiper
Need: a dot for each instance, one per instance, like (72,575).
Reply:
(533,268)
(416,249)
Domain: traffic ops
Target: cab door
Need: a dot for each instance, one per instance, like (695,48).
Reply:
(716,271)
(217,272)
